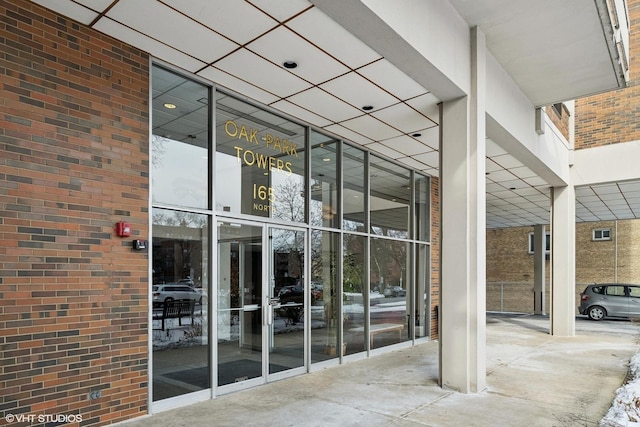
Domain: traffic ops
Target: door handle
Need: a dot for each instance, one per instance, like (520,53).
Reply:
(251,307)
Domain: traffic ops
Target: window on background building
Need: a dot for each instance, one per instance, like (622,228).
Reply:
(601,234)
(547,243)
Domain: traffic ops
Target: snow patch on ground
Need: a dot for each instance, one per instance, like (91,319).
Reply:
(625,409)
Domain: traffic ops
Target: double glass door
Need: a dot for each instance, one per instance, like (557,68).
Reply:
(261,303)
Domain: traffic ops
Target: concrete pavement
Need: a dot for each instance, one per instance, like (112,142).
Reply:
(533,379)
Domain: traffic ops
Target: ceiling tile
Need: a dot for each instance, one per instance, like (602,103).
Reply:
(325,105)
(240,86)
(153,47)
(403,118)
(216,14)
(407,145)
(301,113)
(370,127)
(431,158)
(493,149)
(72,10)
(348,134)
(250,67)
(283,45)
(412,163)
(281,10)
(358,91)
(325,33)
(388,76)
(426,104)
(507,161)
(384,150)
(192,38)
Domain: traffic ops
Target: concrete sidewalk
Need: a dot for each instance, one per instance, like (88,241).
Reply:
(533,379)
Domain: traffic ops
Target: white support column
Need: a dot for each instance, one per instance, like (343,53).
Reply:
(563,261)
(463,219)
(539,271)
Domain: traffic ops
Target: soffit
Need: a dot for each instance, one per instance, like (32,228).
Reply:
(242,45)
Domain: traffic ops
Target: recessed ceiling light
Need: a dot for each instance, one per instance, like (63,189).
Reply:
(290,64)
(512,188)
(326,159)
(367,107)
(169,105)
(416,135)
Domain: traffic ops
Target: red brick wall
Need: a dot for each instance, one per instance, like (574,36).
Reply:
(74,161)
(435,256)
(613,117)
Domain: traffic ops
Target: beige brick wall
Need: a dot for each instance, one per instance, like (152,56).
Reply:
(510,266)
(613,117)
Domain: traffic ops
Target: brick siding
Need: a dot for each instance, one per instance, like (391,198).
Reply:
(613,117)
(74,144)
(435,256)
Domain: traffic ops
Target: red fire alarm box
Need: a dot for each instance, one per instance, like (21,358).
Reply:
(123,229)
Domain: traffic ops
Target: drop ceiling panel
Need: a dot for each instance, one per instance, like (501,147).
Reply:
(371,128)
(250,67)
(70,9)
(431,158)
(426,104)
(349,134)
(301,113)
(413,163)
(384,150)
(217,15)
(192,38)
(283,45)
(325,33)
(406,145)
(235,84)
(358,91)
(507,161)
(388,76)
(155,48)
(403,118)
(325,105)
(281,10)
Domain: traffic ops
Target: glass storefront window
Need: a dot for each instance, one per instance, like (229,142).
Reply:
(354,195)
(180,303)
(180,141)
(422,203)
(325,302)
(260,166)
(354,284)
(422,295)
(389,283)
(390,198)
(324,181)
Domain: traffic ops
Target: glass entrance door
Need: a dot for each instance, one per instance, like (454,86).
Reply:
(286,317)
(261,300)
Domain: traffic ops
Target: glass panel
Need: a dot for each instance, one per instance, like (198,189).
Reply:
(354,196)
(324,295)
(422,296)
(324,182)
(180,287)
(180,141)
(422,204)
(287,292)
(390,198)
(259,162)
(354,283)
(388,278)
(239,302)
